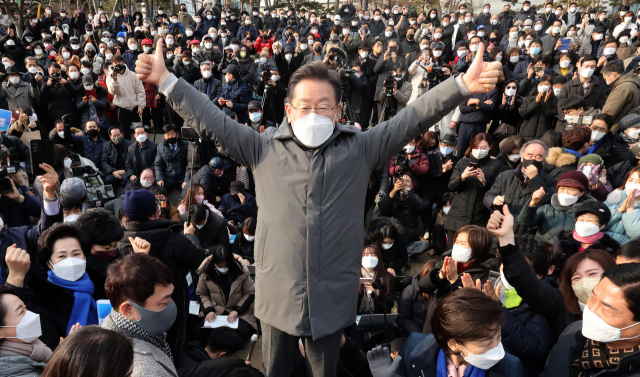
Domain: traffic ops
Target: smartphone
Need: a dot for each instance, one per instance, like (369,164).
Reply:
(538,69)
(223,100)
(473,165)
(41,152)
(15,115)
(366,280)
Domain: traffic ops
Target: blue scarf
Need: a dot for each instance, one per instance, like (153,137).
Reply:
(84,310)
(574,152)
(442,368)
(594,147)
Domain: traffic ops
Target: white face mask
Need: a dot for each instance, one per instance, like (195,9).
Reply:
(15,80)
(586,229)
(141,138)
(609,51)
(222,270)
(66,55)
(109,56)
(498,58)
(510,92)
(445,24)
(460,254)
(556,91)
(387,246)
(567,200)
(74,75)
(633,134)
(586,72)
(595,328)
(437,53)
(61,134)
(481,34)
(146,184)
(38,51)
(514,59)
(514,157)
(473,48)
(628,19)
(248,237)
(596,136)
(73,217)
(312,130)
(543,88)
(369,262)
(564,63)
(388,34)
(537,27)
(526,8)
(446,210)
(555,30)
(479,153)
(504,281)
(67,163)
(70,269)
(85,71)
(488,359)
(624,39)
(28,328)
(409,149)
(597,37)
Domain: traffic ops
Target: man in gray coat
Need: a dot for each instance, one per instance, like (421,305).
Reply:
(311,177)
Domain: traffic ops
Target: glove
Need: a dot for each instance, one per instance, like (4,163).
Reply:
(381,364)
(593,177)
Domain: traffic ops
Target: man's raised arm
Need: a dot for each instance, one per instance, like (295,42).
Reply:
(242,142)
(386,139)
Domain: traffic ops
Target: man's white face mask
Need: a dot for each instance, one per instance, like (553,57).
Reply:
(313,130)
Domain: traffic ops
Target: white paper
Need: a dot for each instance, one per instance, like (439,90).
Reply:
(189,278)
(221,321)
(194,307)
(358,319)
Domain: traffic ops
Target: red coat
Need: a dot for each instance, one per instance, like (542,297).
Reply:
(421,166)
(260,44)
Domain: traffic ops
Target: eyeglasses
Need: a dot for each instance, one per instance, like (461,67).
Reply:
(306,110)
(601,129)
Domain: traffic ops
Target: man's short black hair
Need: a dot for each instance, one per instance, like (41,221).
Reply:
(98,227)
(69,201)
(615,66)
(225,339)
(198,213)
(168,128)
(574,103)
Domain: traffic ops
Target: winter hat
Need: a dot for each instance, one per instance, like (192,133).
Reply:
(593,158)
(574,179)
(595,207)
(560,80)
(139,205)
(631,120)
(264,53)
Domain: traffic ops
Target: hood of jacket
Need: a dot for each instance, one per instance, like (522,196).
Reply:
(74,130)
(559,158)
(630,78)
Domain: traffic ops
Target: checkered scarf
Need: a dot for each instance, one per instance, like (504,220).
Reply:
(117,322)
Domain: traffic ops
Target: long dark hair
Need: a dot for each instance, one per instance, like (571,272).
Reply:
(249,225)
(223,254)
(379,272)
(90,352)
(386,231)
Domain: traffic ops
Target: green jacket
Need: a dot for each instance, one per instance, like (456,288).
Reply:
(551,218)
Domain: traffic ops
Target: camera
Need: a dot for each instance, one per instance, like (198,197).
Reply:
(403,162)
(379,285)
(5,181)
(118,68)
(81,171)
(55,77)
(389,83)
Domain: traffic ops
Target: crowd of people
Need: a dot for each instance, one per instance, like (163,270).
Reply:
(525,197)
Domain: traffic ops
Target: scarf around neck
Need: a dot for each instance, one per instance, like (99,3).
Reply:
(588,240)
(117,322)
(367,305)
(36,350)
(84,310)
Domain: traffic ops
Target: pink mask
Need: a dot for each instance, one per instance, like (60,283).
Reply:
(199,199)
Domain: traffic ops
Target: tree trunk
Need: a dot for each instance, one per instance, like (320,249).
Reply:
(336,7)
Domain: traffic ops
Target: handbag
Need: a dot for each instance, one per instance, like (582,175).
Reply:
(504,131)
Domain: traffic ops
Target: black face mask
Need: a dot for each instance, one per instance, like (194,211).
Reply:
(409,37)
(172,140)
(317,49)
(534,162)
(493,39)
(93,133)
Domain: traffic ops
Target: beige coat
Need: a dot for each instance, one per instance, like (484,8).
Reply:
(212,296)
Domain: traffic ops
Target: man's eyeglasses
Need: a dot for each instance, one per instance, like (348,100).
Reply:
(306,110)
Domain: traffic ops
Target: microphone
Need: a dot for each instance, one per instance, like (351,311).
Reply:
(254,339)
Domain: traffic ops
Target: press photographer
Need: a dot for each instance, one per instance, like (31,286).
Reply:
(17,202)
(357,94)
(409,160)
(273,92)
(395,94)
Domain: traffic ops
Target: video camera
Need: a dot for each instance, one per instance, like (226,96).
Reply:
(579,120)
(389,83)
(5,181)
(403,162)
(55,77)
(97,192)
(379,285)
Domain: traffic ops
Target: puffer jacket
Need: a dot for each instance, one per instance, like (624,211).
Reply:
(212,87)
(419,164)
(172,165)
(622,226)
(128,92)
(510,184)
(241,294)
(467,207)
(537,118)
(412,308)
(559,162)
(240,95)
(551,218)
(20,366)
(93,149)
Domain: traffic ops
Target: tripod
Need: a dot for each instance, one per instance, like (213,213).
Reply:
(388,107)
(347,114)
(266,98)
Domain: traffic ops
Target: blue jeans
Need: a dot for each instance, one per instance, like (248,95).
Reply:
(417,247)
(112,180)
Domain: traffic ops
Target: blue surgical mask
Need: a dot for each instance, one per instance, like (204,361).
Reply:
(255,117)
(535,50)
(446,150)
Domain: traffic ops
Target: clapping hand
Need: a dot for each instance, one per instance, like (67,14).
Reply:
(449,270)
(488,288)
